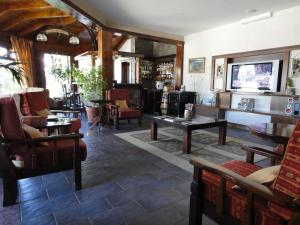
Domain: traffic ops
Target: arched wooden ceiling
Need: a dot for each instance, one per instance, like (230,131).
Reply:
(26,18)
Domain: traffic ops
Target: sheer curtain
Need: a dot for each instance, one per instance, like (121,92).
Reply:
(24,54)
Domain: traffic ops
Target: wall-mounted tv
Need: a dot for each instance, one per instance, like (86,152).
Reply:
(253,76)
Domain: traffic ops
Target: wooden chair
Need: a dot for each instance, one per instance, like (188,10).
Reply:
(116,113)
(38,155)
(212,191)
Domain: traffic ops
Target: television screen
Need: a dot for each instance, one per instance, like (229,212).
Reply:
(255,76)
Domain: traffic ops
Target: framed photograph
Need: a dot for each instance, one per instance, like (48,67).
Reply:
(295,64)
(197,65)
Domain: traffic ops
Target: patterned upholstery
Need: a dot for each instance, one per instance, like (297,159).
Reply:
(129,113)
(236,203)
(118,94)
(37,101)
(288,179)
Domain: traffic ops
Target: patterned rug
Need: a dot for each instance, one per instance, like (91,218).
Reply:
(204,144)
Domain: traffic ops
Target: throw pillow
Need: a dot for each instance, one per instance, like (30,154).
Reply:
(265,175)
(34,133)
(43,112)
(122,104)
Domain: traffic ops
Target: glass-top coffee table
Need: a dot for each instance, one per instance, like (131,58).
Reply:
(200,122)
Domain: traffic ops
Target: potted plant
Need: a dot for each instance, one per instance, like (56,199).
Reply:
(16,71)
(92,85)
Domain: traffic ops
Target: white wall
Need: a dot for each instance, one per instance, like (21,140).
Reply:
(280,30)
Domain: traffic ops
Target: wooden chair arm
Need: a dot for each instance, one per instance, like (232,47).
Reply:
(10,143)
(246,184)
(251,150)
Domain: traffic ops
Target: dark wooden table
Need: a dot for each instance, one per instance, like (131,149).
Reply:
(201,122)
(51,125)
(277,132)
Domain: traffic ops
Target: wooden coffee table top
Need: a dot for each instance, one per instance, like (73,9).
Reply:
(196,123)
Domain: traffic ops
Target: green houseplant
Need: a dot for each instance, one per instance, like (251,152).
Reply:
(92,85)
(16,71)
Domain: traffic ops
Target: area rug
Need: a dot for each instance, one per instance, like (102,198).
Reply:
(204,144)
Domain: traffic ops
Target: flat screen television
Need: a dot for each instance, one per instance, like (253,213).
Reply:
(253,76)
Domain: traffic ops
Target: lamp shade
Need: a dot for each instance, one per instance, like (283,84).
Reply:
(41,37)
(74,40)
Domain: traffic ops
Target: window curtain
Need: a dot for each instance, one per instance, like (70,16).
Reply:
(24,53)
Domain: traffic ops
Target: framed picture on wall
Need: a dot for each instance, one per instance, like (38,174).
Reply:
(197,65)
(295,64)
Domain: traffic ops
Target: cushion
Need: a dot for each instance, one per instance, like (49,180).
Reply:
(122,104)
(34,133)
(265,175)
(129,113)
(37,101)
(25,108)
(236,201)
(44,112)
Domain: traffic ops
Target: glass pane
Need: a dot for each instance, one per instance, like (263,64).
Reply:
(3,51)
(54,86)
(7,84)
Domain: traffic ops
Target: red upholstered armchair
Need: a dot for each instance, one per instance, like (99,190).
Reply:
(252,203)
(22,156)
(31,103)
(122,109)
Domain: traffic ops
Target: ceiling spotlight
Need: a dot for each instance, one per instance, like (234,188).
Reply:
(41,37)
(74,40)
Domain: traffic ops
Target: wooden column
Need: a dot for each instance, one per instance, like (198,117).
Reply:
(105,54)
(179,65)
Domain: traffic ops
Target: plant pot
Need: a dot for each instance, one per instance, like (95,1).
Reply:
(92,114)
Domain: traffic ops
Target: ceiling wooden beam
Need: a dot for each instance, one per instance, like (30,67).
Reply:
(121,41)
(15,11)
(43,13)
(45,22)
(20,4)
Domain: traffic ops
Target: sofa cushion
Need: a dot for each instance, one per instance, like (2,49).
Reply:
(122,104)
(129,113)
(265,175)
(37,101)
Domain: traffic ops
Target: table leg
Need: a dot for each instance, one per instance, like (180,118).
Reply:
(153,131)
(222,134)
(187,141)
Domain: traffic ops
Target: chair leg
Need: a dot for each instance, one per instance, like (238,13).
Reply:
(140,122)
(116,122)
(196,198)
(9,179)
(77,166)
(129,121)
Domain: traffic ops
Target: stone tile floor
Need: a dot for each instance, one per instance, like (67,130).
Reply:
(121,185)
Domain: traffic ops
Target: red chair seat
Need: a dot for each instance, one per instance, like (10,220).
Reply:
(75,126)
(45,154)
(129,113)
(236,201)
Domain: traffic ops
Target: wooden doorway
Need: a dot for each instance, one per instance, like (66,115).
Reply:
(125,72)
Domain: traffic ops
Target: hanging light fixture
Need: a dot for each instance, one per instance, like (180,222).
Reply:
(74,40)
(41,37)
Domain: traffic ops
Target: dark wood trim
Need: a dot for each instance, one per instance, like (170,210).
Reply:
(128,54)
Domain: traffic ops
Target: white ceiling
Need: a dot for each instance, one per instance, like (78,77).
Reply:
(180,17)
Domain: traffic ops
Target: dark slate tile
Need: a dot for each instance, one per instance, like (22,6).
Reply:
(164,216)
(40,207)
(135,181)
(41,220)
(122,197)
(79,214)
(118,215)
(88,194)
(152,198)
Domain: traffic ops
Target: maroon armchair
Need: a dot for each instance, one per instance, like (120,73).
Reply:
(38,155)
(122,112)
(249,203)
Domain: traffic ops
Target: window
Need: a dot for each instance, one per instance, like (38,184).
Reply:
(53,85)
(7,84)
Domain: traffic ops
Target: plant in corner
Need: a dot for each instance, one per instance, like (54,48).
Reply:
(92,85)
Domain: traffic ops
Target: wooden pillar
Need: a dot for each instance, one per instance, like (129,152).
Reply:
(179,66)
(137,71)
(105,54)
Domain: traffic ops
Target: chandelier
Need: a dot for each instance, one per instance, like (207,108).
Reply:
(42,36)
